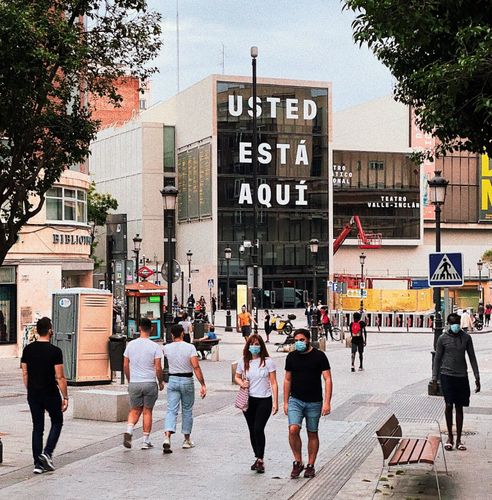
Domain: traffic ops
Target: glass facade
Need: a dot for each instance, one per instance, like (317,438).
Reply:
(383,189)
(292,179)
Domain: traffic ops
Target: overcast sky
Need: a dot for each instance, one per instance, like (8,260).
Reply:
(310,40)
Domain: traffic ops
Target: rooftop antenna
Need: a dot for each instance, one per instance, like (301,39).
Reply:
(223,58)
(177,44)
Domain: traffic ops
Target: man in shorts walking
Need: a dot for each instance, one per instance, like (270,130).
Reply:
(358,334)
(303,398)
(245,320)
(183,362)
(450,366)
(42,372)
(143,370)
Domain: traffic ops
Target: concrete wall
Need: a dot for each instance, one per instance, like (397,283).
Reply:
(378,125)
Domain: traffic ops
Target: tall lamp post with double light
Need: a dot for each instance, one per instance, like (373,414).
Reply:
(169,195)
(480,294)
(137,245)
(437,195)
(313,248)
(228,255)
(362,287)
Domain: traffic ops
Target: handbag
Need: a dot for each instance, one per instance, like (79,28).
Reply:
(242,398)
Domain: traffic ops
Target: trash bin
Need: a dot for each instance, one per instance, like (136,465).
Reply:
(198,329)
(117,345)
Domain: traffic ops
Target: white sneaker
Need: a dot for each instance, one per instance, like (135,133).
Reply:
(147,445)
(188,443)
(166,446)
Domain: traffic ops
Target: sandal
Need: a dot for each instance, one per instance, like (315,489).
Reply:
(460,447)
(448,446)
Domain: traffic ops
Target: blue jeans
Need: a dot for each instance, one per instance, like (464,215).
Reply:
(298,410)
(180,390)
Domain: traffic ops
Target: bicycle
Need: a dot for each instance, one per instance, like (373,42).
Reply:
(336,333)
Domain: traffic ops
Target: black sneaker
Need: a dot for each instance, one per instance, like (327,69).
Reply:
(297,468)
(39,469)
(46,461)
(353,369)
(309,472)
(127,440)
(260,467)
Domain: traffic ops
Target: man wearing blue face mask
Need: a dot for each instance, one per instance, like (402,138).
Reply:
(450,364)
(303,398)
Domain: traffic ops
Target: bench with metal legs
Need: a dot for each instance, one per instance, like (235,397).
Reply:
(405,450)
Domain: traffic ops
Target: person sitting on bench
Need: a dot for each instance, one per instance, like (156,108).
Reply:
(210,335)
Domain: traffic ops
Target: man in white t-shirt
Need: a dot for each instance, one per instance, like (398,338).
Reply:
(143,370)
(183,362)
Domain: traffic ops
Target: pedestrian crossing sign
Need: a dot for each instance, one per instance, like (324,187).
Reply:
(445,269)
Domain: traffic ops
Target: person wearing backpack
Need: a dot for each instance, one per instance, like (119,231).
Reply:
(325,321)
(358,334)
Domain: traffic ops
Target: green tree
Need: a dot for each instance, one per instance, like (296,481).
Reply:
(440,52)
(98,207)
(53,55)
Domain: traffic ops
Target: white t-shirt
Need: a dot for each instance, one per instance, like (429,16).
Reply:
(141,353)
(186,325)
(179,356)
(258,377)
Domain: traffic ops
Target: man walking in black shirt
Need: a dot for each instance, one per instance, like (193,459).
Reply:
(42,371)
(303,398)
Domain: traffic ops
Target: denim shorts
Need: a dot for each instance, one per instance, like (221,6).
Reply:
(298,410)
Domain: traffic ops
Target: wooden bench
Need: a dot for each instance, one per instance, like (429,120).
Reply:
(205,346)
(404,450)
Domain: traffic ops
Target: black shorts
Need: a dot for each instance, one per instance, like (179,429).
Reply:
(456,390)
(246,330)
(357,345)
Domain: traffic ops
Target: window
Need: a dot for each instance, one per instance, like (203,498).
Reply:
(66,205)
(376,165)
(143,104)
(169,150)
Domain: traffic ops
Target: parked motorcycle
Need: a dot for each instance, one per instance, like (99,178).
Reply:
(281,325)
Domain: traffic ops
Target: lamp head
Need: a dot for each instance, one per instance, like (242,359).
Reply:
(254,52)
(437,188)
(137,243)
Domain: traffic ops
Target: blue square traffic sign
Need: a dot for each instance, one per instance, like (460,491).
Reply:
(445,269)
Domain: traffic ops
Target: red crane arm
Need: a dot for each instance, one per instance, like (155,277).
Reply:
(343,235)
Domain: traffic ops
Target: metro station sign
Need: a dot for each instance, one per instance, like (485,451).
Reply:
(145,272)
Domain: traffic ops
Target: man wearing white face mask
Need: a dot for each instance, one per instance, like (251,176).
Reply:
(303,398)
(450,364)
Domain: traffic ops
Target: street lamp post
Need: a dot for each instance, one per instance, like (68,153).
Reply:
(480,295)
(362,259)
(437,195)
(137,244)
(228,255)
(255,247)
(189,255)
(169,195)
(314,247)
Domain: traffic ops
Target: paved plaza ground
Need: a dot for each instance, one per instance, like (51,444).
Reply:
(93,464)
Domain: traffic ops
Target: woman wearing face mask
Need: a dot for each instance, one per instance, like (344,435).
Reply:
(450,365)
(256,371)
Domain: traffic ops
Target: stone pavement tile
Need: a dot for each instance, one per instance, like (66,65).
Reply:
(218,467)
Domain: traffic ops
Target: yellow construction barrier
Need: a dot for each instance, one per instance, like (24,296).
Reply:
(391,300)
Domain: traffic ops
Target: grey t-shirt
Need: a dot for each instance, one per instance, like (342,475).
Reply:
(179,356)
(450,355)
(142,353)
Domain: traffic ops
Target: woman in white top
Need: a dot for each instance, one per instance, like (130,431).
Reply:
(257,371)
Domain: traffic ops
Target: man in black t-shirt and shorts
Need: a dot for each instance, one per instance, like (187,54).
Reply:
(42,372)
(358,334)
(303,398)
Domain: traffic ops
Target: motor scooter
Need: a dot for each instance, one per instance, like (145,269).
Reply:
(281,325)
